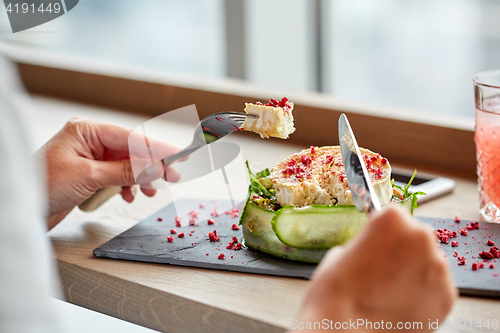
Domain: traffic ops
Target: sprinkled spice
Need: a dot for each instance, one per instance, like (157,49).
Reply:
(463,232)
(283,101)
(212,235)
(178,219)
(457,219)
(192,221)
(235,227)
(181,235)
(490,243)
(474,266)
(170,239)
(342,176)
(455,254)
(454,244)
(492,265)
(306,159)
(159,219)
(202,205)
(210,222)
(461,263)
(173,231)
(384,160)
(221,256)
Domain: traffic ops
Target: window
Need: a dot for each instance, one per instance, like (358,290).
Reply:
(418,55)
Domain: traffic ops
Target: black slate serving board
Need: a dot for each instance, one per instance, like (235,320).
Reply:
(147,242)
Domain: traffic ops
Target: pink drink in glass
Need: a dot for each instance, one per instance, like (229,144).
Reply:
(487,137)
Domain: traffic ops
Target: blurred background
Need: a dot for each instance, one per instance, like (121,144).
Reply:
(419,55)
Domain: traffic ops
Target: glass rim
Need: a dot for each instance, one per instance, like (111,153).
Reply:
(488,73)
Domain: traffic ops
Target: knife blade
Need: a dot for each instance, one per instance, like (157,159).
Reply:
(363,195)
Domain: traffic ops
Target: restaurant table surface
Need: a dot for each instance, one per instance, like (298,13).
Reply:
(180,299)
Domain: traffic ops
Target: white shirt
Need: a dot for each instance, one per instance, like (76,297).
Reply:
(27,275)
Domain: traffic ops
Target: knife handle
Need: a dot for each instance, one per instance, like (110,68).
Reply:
(99,197)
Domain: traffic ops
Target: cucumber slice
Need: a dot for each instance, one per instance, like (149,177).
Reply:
(317,227)
(259,234)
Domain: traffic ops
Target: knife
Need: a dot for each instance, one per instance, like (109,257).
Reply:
(363,195)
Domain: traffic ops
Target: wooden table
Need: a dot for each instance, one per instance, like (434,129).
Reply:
(179,299)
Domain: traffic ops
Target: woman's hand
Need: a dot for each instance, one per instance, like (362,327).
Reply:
(392,272)
(86,156)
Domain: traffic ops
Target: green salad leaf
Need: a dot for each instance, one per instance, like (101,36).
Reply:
(407,194)
(264,173)
(256,186)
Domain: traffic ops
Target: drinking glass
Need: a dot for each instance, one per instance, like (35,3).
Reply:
(487,138)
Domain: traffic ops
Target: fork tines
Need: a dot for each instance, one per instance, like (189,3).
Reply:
(239,119)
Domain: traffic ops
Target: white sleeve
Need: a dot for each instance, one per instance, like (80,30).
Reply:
(27,275)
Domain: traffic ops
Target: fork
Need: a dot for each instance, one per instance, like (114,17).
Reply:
(209,129)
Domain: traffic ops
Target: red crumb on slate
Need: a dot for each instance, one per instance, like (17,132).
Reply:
(202,205)
(212,235)
(159,219)
(473,225)
(444,235)
(492,265)
(214,212)
(221,256)
(181,235)
(178,219)
(170,239)
(461,263)
(492,254)
(490,242)
(474,266)
(455,254)
(454,244)
(234,244)
(210,221)
(496,274)
(457,219)
(173,231)
(235,227)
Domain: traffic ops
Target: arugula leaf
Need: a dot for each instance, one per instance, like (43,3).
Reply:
(413,196)
(256,186)
(264,173)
